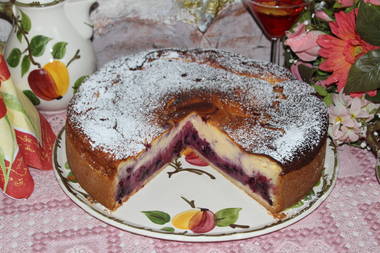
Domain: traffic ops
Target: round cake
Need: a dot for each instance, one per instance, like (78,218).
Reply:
(252,121)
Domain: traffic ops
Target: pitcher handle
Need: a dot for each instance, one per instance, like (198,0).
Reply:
(6,11)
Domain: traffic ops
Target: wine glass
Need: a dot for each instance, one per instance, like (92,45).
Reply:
(275,17)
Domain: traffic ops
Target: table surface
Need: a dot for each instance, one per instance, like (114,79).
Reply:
(348,221)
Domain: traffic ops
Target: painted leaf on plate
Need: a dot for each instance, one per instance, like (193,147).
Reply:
(157,217)
(71,177)
(227,216)
(167,229)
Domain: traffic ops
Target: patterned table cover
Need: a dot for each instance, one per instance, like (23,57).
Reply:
(348,221)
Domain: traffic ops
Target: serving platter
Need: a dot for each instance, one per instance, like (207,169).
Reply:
(166,207)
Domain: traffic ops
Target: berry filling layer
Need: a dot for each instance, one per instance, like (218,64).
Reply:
(134,175)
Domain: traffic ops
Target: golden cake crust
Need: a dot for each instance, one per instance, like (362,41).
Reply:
(92,169)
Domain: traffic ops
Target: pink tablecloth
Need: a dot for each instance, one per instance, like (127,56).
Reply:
(348,221)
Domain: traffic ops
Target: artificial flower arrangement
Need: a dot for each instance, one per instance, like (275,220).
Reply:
(335,46)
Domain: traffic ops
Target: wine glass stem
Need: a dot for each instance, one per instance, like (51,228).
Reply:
(276,51)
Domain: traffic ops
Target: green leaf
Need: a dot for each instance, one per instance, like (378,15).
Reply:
(320,90)
(328,99)
(367,23)
(337,5)
(227,216)
(14,57)
(66,166)
(349,9)
(318,183)
(19,36)
(306,15)
(25,65)
(298,204)
(157,217)
(71,177)
(59,50)
(310,195)
(306,72)
(33,98)
(38,44)
(79,82)
(12,102)
(26,24)
(167,229)
(364,75)
(329,12)
(322,73)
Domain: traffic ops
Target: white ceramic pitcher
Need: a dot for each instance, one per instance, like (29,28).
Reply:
(49,52)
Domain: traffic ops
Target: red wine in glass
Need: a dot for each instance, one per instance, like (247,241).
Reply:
(275,17)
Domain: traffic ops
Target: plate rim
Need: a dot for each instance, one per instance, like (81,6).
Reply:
(184,237)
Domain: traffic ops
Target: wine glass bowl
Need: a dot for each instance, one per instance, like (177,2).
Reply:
(275,17)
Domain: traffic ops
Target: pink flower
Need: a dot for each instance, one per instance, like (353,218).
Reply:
(359,94)
(343,128)
(323,16)
(342,50)
(342,133)
(348,117)
(374,2)
(356,109)
(340,111)
(303,43)
(295,69)
(346,3)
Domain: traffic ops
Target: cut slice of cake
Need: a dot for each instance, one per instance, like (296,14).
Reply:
(263,130)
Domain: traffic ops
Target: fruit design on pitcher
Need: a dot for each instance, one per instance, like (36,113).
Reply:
(48,81)
(51,81)
(196,219)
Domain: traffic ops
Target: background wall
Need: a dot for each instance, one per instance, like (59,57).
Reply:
(126,26)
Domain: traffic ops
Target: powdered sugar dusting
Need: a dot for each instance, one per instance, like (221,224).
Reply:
(115,108)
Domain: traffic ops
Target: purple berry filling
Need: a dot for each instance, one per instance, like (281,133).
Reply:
(188,136)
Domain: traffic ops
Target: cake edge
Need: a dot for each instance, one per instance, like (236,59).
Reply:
(103,187)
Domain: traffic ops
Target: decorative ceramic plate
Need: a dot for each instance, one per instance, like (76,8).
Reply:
(188,202)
